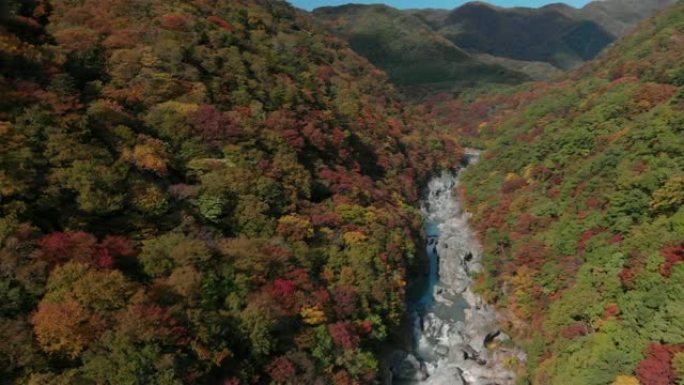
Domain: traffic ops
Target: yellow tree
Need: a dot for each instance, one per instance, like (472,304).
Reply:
(626,380)
(65,328)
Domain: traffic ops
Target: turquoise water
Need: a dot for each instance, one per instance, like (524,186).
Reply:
(420,293)
(439,209)
(431,230)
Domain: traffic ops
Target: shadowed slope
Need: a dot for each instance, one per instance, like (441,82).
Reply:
(406,48)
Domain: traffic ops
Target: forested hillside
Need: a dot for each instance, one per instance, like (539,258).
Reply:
(553,34)
(199,192)
(413,55)
(556,33)
(478,44)
(579,202)
(620,16)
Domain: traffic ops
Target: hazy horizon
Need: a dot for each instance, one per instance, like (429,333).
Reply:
(446,4)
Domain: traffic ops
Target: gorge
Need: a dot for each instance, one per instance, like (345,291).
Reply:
(455,331)
(214,192)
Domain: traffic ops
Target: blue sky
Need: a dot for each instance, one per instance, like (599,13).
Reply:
(449,4)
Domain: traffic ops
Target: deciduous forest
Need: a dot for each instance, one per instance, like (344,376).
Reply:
(580,209)
(199,192)
(222,193)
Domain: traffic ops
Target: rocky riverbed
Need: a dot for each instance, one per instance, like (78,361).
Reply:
(456,336)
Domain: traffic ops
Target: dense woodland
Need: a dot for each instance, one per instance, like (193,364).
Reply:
(199,192)
(477,44)
(414,56)
(579,203)
(215,192)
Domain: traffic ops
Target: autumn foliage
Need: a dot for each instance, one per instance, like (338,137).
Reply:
(578,203)
(200,192)
(656,368)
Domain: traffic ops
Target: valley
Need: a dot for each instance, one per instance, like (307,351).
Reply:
(206,192)
(475,44)
(455,332)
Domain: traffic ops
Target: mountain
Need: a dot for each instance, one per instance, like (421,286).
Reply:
(545,34)
(200,192)
(407,48)
(535,70)
(480,43)
(219,192)
(579,203)
(433,17)
(619,16)
(557,33)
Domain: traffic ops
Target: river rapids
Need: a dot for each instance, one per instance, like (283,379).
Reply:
(456,340)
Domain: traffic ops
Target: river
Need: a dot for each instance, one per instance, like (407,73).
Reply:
(456,340)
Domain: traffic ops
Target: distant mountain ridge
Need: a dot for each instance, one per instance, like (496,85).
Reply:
(556,33)
(536,34)
(412,45)
(620,16)
(407,48)
(579,201)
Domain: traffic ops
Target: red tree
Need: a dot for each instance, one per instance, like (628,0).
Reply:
(63,246)
(586,237)
(345,301)
(283,291)
(214,125)
(656,368)
(281,370)
(673,254)
(574,331)
(343,336)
